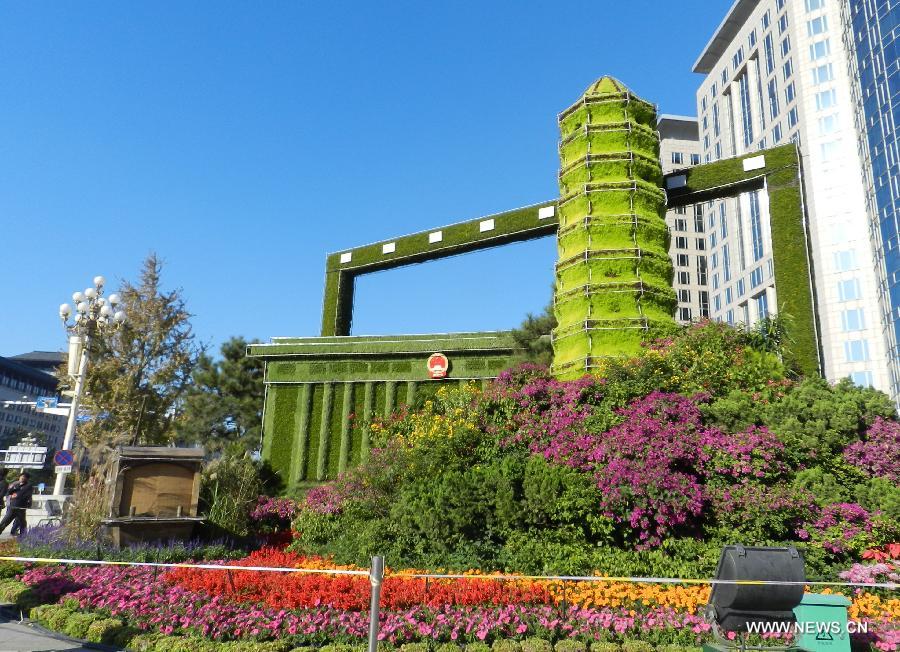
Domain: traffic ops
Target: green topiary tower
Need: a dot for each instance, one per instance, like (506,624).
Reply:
(613,275)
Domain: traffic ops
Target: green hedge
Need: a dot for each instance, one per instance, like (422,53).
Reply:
(790,248)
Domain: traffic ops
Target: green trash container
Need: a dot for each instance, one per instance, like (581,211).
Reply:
(822,623)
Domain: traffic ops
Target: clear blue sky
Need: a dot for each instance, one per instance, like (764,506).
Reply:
(244,141)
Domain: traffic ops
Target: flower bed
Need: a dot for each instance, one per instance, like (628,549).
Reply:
(166,603)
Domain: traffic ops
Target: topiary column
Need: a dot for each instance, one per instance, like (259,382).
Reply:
(613,274)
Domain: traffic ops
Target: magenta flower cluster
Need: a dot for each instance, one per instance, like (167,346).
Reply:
(878,455)
(278,509)
(888,571)
(837,526)
(653,468)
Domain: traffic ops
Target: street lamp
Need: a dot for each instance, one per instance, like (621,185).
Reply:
(93,315)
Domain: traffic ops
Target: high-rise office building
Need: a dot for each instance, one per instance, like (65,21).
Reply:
(870,32)
(679,147)
(778,71)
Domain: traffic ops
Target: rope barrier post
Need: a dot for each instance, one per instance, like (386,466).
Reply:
(376,578)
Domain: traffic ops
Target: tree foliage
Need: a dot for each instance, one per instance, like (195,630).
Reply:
(533,336)
(224,402)
(139,373)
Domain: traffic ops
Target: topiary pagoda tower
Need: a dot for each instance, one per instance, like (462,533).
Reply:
(613,274)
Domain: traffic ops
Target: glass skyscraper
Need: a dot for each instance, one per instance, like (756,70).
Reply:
(871,31)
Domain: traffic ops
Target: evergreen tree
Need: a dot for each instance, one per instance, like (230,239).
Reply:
(224,404)
(138,374)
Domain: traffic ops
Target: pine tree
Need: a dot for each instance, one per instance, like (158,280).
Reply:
(138,375)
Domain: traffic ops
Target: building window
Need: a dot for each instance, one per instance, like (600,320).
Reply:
(793,118)
(786,46)
(684,314)
(769,49)
(826,99)
(728,296)
(684,296)
(726,262)
(684,278)
(782,22)
(828,124)
(740,287)
(714,260)
(853,320)
(762,306)
(717,303)
(861,378)
(681,260)
(724,77)
(756,277)
(715,282)
(856,350)
(789,93)
(822,74)
(695,158)
(812,5)
(704,303)
(715,114)
(820,49)
(751,39)
(738,58)
(829,150)
(776,133)
(817,26)
(773,98)
(681,242)
(844,261)
(701,244)
(744,84)
(701,270)
(677,158)
(788,69)
(756,226)
(766,20)
(849,290)
(680,224)
(680,210)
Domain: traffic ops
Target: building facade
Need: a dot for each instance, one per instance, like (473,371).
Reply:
(777,71)
(679,148)
(870,30)
(21,383)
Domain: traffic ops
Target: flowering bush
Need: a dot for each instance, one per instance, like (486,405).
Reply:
(840,528)
(878,455)
(279,510)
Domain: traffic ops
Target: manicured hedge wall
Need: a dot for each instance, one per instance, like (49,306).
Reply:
(781,176)
(613,276)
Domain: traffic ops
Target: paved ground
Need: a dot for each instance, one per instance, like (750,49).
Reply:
(20,637)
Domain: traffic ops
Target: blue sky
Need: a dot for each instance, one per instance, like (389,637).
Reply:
(244,141)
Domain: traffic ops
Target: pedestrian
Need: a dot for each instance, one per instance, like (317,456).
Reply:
(19,498)
(3,485)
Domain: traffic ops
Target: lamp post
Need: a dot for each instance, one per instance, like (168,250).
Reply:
(93,316)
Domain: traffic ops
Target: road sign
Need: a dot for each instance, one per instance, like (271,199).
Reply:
(66,468)
(63,458)
(438,364)
(44,402)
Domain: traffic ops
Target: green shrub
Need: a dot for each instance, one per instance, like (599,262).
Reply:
(671,647)
(605,646)
(536,645)
(448,647)
(10,569)
(103,630)
(636,646)
(124,636)
(40,613)
(229,488)
(188,644)
(337,647)
(78,623)
(414,647)
(506,645)
(146,642)
(570,645)
(478,647)
(11,591)
(70,603)
(56,620)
